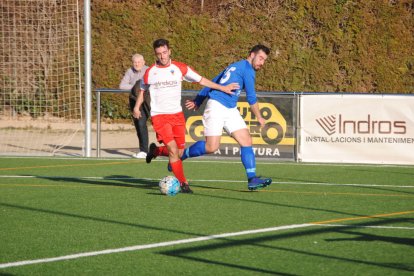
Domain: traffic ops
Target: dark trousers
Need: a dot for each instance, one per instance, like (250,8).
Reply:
(141,124)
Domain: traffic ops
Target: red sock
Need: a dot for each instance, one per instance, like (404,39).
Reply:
(162,151)
(177,168)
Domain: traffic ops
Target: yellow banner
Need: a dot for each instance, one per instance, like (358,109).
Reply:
(273,133)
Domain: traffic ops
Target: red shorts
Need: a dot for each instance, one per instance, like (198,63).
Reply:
(170,127)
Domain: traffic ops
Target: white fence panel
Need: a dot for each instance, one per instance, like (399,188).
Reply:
(357,128)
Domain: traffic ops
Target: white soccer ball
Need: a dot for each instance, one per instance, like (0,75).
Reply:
(169,186)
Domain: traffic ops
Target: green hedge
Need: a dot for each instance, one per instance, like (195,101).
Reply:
(317,45)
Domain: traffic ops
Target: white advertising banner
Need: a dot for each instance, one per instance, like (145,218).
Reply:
(376,129)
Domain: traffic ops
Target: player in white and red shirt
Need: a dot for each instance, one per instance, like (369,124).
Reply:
(163,80)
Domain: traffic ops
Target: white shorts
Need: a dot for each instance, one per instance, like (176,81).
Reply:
(216,117)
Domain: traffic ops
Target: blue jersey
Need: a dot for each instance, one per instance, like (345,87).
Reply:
(241,72)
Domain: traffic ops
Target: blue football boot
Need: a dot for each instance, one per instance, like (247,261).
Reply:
(257,182)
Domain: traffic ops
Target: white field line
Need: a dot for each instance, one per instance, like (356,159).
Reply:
(217,159)
(153,245)
(367,226)
(211,180)
(258,161)
(185,241)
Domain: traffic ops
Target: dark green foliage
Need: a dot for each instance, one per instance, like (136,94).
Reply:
(317,46)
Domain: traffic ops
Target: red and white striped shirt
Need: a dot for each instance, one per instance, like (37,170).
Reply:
(164,84)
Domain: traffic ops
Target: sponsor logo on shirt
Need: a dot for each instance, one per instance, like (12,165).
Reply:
(164,84)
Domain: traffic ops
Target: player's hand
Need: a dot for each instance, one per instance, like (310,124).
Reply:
(190,105)
(136,113)
(229,87)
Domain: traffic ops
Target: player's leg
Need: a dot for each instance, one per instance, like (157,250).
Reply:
(213,123)
(196,149)
(175,161)
(173,137)
(199,148)
(242,136)
(238,129)
(155,151)
(163,131)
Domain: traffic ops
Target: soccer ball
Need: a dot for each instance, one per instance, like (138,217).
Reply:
(169,186)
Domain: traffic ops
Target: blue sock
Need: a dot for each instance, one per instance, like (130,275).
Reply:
(249,161)
(196,149)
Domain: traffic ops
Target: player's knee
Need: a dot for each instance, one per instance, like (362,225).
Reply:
(211,148)
(174,155)
(246,144)
(245,141)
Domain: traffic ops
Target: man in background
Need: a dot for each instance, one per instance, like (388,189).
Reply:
(131,81)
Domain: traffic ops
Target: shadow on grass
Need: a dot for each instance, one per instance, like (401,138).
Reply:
(111,180)
(90,218)
(77,151)
(387,172)
(390,189)
(225,243)
(354,185)
(244,200)
(142,183)
(117,152)
(364,237)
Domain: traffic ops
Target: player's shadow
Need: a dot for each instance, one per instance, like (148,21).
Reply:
(152,187)
(191,253)
(362,186)
(365,237)
(387,189)
(111,180)
(277,204)
(386,173)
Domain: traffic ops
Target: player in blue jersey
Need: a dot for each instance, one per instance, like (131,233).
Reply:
(221,112)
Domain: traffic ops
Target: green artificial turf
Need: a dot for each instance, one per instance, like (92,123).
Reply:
(361,218)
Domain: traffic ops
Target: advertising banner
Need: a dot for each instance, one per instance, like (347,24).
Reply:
(375,129)
(275,140)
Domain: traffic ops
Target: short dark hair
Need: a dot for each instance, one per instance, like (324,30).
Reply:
(160,42)
(259,47)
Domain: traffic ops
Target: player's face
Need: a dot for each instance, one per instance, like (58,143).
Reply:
(258,60)
(163,55)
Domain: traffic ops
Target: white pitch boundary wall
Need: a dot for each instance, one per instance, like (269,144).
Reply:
(355,128)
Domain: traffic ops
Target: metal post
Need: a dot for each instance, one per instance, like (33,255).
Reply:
(88,80)
(298,127)
(98,123)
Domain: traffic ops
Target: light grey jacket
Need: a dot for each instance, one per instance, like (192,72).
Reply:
(131,77)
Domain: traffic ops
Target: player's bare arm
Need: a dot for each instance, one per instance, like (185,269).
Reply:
(226,89)
(140,99)
(256,111)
